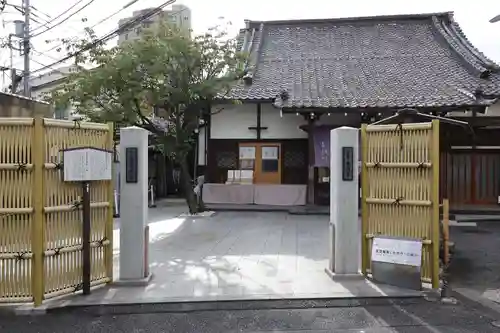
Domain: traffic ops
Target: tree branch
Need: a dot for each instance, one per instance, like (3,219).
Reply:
(218,111)
(143,118)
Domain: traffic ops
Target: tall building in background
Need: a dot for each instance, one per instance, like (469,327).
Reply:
(179,16)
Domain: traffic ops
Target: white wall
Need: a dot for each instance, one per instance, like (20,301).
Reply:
(279,126)
(493,110)
(42,92)
(234,120)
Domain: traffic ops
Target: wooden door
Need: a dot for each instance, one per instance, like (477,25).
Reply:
(264,159)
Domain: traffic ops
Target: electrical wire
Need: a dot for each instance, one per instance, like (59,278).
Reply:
(61,14)
(99,22)
(38,10)
(45,22)
(107,18)
(115,13)
(110,35)
(64,20)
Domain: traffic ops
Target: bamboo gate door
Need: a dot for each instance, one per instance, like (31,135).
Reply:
(400,189)
(40,215)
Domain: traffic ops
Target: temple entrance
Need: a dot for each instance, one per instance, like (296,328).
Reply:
(264,159)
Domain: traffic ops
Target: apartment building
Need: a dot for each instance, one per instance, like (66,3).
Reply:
(179,16)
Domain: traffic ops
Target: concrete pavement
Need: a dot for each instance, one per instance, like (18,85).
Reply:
(236,256)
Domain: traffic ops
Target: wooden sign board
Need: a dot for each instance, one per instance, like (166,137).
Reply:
(86,164)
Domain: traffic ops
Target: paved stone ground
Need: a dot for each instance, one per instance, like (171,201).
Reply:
(415,317)
(235,255)
(476,265)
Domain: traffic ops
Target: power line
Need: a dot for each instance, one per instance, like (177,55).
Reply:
(38,10)
(111,34)
(100,22)
(115,13)
(61,14)
(45,22)
(64,20)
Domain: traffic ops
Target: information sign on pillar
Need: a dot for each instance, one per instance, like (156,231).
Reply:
(85,165)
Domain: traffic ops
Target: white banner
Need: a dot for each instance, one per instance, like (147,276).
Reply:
(397,251)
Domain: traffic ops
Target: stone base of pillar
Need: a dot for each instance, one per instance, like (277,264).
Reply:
(344,277)
(133,282)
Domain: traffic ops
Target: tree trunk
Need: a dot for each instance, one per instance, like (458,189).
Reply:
(188,187)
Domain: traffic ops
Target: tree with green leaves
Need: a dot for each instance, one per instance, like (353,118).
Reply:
(165,70)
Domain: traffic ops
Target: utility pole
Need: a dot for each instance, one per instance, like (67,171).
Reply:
(13,73)
(26,42)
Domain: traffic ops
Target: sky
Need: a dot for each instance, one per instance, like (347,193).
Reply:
(473,17)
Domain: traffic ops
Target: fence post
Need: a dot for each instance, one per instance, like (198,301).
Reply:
(435,203)
(364,205)
(446,250)
(110,213)
(38,222)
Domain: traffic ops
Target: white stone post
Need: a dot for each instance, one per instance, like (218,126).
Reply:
(345,226)
(134,232)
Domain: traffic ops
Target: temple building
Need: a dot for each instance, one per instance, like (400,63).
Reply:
(306,77)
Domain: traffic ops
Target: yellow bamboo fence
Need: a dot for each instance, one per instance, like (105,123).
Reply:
(40,215)
(400,189)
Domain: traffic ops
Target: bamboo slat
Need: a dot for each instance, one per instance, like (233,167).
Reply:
(75,125)
(398,165)
(397,127)
(9,122)
(15,166)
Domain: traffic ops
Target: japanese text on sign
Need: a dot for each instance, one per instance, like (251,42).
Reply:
(397,251)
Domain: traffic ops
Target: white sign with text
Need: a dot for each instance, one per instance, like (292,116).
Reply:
(397,251)
(87,164)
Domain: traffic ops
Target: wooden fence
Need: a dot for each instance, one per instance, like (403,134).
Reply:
(400,189)
(40,215)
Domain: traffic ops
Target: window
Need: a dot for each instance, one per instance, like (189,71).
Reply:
(270,159)
(247,157)
(126,36)
(186,18)
(270,165)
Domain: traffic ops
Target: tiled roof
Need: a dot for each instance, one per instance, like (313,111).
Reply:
(420,60)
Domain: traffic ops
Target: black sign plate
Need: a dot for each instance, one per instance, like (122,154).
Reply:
(131,165)
(347,163)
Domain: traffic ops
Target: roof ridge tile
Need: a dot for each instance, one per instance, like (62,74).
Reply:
(455,27)
(454,44)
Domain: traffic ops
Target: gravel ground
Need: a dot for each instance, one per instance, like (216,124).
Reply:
(419,317)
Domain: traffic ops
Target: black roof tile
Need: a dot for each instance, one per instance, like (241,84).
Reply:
(421,60)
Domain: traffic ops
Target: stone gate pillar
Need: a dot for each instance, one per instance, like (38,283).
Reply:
(345,225)
(134,232)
